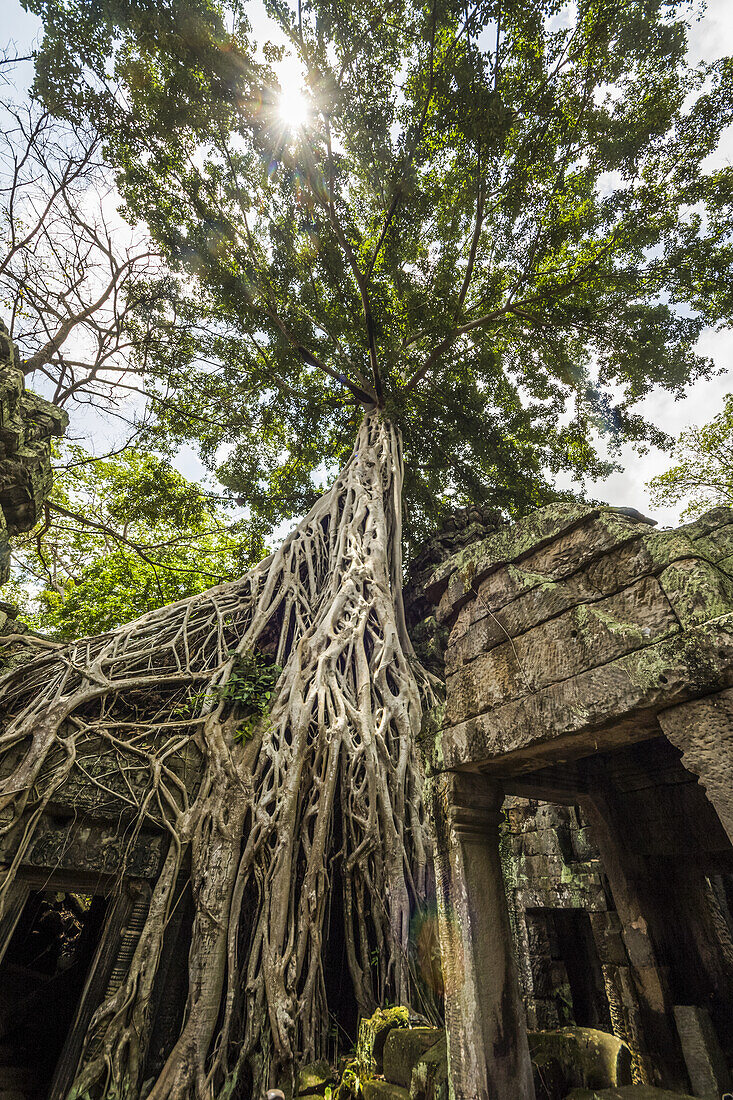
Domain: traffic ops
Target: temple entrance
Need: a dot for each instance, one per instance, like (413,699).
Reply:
(669,867)
(43,972)
(566,972)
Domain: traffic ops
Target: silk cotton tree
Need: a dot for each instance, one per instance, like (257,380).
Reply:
(491,234)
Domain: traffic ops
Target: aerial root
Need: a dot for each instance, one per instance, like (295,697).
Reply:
(326,795)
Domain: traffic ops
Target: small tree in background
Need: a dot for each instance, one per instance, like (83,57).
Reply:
(703,476)
(119,537)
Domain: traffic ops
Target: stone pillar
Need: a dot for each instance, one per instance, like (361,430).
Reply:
(706,1065)
(487,1037)
(703,731)
(659,1052)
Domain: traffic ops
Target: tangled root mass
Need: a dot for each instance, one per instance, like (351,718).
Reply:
(330,778)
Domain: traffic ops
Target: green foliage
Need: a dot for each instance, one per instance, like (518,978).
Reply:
(122,536)
(250,686)
(498,223)
(703,475)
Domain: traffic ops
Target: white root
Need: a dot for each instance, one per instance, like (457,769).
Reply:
(330,782)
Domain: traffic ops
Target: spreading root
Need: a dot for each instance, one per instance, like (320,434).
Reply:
(325,789)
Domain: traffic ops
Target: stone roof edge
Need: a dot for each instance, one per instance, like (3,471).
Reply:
(536,530)
(510,543)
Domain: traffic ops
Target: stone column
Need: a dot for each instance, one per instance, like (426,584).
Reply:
(703,731)
(658,1049)
(487,1037)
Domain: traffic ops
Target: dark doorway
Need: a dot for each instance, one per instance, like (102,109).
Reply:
(566,972)
(42,977)
(585,977)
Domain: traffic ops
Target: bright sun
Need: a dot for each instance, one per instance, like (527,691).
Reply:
(293,103)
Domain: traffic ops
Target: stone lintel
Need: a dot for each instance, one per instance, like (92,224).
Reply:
(508,544)
(621,696)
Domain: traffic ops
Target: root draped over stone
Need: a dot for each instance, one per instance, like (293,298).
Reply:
(328,788)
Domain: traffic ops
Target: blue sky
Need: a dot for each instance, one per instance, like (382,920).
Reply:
(711,36)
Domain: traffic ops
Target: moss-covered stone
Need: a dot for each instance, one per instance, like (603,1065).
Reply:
(402,1049)
(697,591)
(377,1089)
(429,1079)
(349,1086)
(27,423)
(579,1057)
(314,1078)
(373,1035)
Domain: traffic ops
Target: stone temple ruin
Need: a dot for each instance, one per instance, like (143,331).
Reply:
(587,760)
(582,794)
(27,425)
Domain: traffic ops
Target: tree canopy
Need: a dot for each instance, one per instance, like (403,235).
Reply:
(496,222)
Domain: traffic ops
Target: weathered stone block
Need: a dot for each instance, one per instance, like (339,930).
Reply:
(90,847)
(584,847)
(584,637)
(703,730)
(717,546)
(704,1059)
(590,537)
(586,1058)
(314,1077)
(429,1079)
(697,591)
(543,842)
(537,530)
(373,1035)
(489,619)
(403,1048)
(607,939)
(376,1089)
(671,671)
(720,516)
(26,424)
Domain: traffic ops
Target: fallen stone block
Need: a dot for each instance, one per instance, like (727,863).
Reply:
(373,1035)
(376,1089)
(578,1057)
(403,1048)
(429,1079)
(314,1077)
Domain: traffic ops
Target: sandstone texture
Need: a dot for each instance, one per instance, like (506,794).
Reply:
(580,1057)
(373,1034)
(402,1050)
(314,1078)
(589,670)
(577,620)
(27,425)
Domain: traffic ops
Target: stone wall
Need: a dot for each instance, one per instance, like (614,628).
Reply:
(552,866)
(27,425)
